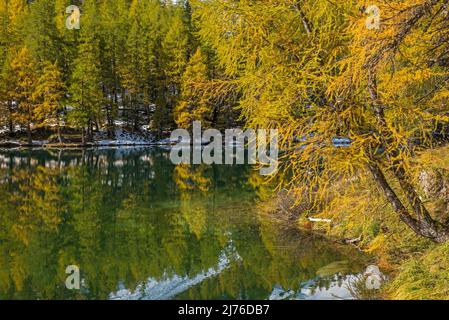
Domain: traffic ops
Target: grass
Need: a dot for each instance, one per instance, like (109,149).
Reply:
(419,268)
(424,277)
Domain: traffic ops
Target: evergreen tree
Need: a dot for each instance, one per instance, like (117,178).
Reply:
(134,52)
(23,79)
(68,39)
(11,18)
(139,70)
(4,102)
(40,34)
(132,68)
(4,30)
(193,107)
(86,93)
(174,60)
(113,33)
(50,93)
(11,13)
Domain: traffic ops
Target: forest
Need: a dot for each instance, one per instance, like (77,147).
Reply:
(373,73)
(131,63)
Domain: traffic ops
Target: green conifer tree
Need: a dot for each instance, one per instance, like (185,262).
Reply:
(175,54)
(85,91)
(50,94)
(192,106)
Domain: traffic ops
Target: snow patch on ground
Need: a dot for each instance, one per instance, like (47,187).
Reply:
(5,130)
(123,138)
(40,143)
(168,141)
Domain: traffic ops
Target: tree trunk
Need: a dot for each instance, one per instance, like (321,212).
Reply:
(424,226)
(30,139)
(109,120)
(392,197)
(10,118)
(135,124)
(11,126)
(83,138)
(97,125)
(430,227)
(90,131)
(58,128)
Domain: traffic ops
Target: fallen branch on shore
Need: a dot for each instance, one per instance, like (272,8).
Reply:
(353,241)
(320,220)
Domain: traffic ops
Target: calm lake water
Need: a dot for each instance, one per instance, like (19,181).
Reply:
(140,228)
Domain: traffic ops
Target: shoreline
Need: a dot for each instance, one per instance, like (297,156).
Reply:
(18,145)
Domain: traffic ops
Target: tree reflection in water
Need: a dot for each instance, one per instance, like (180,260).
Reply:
(131,220)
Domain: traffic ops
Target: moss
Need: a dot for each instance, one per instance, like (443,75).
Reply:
(375,228)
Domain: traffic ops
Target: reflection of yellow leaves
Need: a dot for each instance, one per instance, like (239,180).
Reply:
(195,214)
(22,233)
(190,178)
(17,272)
(337,267)
(4,279)
(261,184)
(37,202)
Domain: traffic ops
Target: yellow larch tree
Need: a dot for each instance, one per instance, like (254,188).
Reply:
(348,98)
(23,78)
(193,107)
(50,94)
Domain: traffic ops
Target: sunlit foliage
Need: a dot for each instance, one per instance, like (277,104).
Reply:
(313,70)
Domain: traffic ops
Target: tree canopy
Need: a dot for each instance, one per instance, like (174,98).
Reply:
(315,71)
(348,98)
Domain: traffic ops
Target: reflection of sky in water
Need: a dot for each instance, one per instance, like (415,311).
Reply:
(171,287)
(337,290)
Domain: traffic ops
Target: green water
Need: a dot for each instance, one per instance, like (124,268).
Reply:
(140,228)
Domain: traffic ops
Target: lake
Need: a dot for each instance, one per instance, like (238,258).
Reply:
(139,227)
